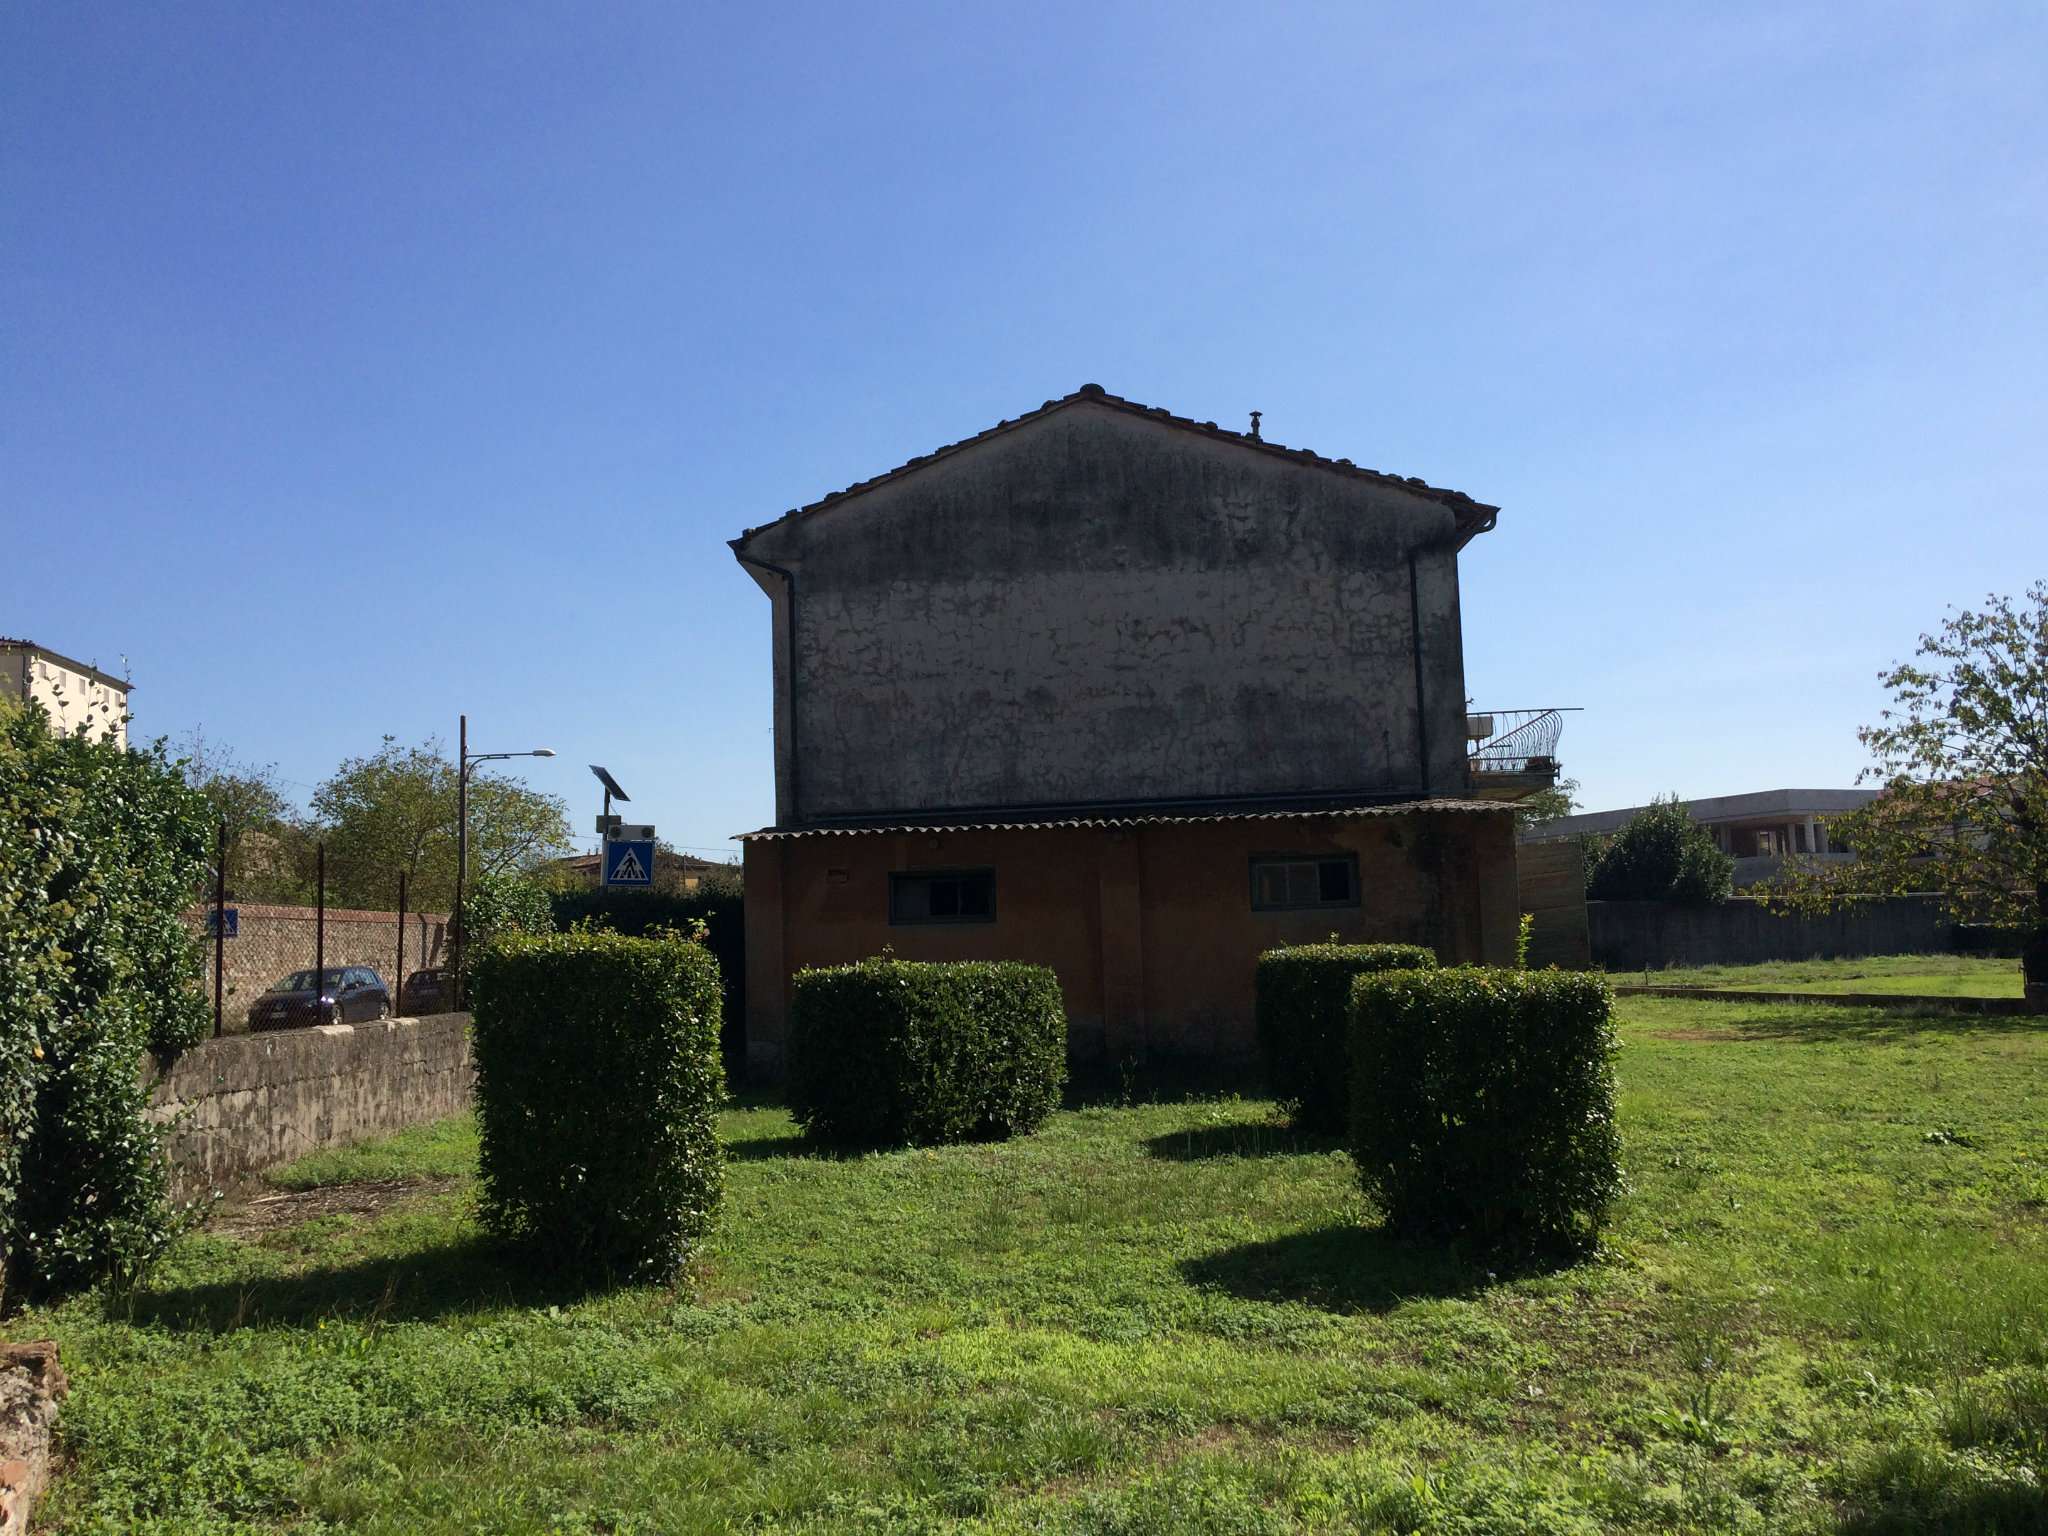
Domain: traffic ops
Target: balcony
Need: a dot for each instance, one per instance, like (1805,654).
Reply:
(1512,753)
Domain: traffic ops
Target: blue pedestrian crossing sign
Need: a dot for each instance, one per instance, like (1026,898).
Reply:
(629,861)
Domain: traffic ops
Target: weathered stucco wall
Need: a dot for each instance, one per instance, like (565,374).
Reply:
(246,1102)
(1150,930)
(1097,608)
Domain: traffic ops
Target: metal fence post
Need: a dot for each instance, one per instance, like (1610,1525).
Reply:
(319,928)
(220,918)
(398,979)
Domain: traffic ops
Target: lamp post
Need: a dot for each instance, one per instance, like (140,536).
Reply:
(465,760)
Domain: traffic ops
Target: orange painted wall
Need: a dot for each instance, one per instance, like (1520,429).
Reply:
(1150,929)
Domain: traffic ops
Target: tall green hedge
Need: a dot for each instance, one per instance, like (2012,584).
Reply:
(716,902)
(101,850)
(598,1080)
(1304,1011)
(1483,1104)
(893,1051)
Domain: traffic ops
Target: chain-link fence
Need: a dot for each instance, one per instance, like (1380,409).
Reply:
(262,972)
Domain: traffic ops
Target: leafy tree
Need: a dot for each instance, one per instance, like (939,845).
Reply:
(497,906)
(266,839)
(1962,757)
(1661,855)
(395,810)
(1561,799)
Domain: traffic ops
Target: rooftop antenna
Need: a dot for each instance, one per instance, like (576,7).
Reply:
(1255,425)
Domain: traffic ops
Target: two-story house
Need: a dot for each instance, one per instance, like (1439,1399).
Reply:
(1127,695)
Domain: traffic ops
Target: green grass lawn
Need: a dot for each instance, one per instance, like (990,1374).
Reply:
(1897,975)
(1824,1307)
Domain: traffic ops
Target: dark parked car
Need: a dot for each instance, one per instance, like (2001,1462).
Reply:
(346,995)
(425,992)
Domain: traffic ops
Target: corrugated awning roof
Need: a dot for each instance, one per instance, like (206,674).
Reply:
(1024,823)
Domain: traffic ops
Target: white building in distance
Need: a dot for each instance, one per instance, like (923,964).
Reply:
(76,696)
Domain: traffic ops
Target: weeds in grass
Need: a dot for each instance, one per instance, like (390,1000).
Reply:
(1170,1316)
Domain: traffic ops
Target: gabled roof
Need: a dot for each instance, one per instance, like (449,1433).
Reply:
(1474,517)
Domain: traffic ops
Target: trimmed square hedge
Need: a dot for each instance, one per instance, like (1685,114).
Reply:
(1304,1013)
(892,1051)
(598,1077)
(1483,1104)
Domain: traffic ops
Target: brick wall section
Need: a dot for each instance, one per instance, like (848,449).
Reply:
(275,941)
(245,1103)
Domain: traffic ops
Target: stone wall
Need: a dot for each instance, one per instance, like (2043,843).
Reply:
(245,1103)
(274,941)
(31,1385)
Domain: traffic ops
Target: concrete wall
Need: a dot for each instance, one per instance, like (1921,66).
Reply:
(1551,879)
(274,941)
(1150,929)
(1098,608)
(249,1102)
(1629,935)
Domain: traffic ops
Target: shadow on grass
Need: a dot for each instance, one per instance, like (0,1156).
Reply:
(1340,1269)
(761,1149)
(2004,1509)
(1161,1079)
(1238,1138)
(1831,1024)
(473,1275)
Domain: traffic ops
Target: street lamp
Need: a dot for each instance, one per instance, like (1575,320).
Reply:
(465,759)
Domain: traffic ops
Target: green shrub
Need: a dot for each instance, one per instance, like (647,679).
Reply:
(1662,854)
(716,903)
(597,1080)
(893,1051)
(1483,1104)
(1304,1011)
(498,906)
(101,849)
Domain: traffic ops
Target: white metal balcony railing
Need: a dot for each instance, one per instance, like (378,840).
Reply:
(1514,740)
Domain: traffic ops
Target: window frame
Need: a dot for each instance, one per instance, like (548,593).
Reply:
(899,877)
(1349,860)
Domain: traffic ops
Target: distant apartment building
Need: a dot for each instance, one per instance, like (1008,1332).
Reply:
(76,696)
(1759,830)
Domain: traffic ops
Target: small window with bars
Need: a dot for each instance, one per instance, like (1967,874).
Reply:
(942,896)
(1285,884)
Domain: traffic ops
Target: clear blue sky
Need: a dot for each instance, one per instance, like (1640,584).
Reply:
(366,364)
